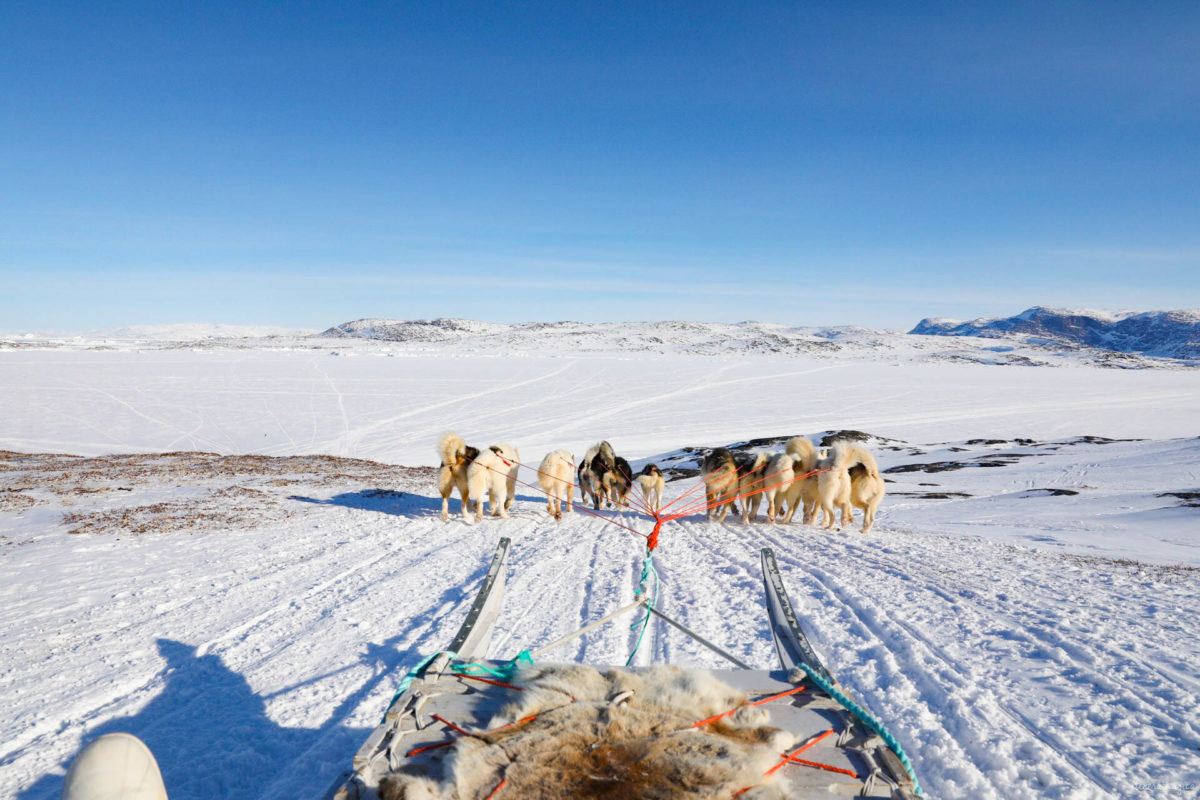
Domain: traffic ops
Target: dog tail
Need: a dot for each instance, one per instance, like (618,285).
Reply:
(607,455)
(803,451)
(863,456)
(841,456)
(451,448)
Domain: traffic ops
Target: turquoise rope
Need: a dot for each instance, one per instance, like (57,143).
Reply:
(413,673)
(865,718)
(503,672)
(648,572)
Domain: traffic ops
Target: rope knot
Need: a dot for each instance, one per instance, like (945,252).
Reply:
(652,539)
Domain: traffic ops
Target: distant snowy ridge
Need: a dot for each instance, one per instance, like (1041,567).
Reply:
(654,337)
(715,338)
(193,331)
(1167,334)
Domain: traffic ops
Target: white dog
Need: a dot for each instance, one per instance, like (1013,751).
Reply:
(853,480)
(494,472)
(833,485)
(554,476)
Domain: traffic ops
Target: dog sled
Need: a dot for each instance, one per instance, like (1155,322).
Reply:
(464,727)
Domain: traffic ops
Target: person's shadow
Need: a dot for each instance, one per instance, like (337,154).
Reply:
(212,737)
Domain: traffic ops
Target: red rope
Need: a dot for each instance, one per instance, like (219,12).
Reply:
(724,714)
(489,680)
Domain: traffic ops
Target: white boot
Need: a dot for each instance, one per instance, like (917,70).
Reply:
(117,766)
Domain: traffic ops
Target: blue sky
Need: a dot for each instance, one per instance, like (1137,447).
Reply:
(305,164)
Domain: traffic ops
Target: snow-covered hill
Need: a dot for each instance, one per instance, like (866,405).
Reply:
(1168,334)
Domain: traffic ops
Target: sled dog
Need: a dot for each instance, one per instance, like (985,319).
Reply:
(752,476)
(554,476)
(618,481)
(866,485)
(720,482)
(452,474)
(494,473)
(597,461)
(801,494)
(853,480)
(650,481)
(781,471)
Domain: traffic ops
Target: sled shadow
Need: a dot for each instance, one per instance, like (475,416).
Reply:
(384,501)
(212,736)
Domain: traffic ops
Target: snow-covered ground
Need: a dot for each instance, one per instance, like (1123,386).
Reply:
(1022,616)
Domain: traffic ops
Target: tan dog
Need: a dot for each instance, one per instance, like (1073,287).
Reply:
(802,492)
(651,482)
(554,476)
(494,472)
(781,471)
(452,474)
(866,485)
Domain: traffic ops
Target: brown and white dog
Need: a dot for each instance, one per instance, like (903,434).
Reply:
(554,476)
(598,461)
(781,472)
(650,481)
(452,474)
(720,482)
(494,472)
(752,478)
(618,481)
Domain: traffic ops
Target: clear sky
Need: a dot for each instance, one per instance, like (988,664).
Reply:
(304,164)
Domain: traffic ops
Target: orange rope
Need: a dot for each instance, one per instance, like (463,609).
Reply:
(723,714)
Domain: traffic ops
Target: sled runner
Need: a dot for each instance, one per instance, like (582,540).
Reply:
(462,726)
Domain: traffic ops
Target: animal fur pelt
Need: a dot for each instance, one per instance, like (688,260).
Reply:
(494,473)
(651,482)
(452,474)
(617,735)
(554,476)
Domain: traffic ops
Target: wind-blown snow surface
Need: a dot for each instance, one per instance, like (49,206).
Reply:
(987,619)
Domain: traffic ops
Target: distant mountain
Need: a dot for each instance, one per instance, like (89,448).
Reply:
(651,337)
(1165,334)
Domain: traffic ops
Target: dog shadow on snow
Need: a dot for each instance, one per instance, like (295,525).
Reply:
(384,501)
(212,735)
(401,504)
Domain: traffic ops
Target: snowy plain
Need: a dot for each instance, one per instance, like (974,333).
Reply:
(1022,617)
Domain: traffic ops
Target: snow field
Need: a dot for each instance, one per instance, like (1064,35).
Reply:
(1008,661)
